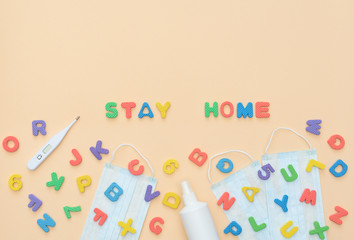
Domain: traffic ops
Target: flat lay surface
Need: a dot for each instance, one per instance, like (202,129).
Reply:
(60,60)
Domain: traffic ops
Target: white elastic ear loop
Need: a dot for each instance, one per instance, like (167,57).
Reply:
(285,128)
(141,155)
(239,151)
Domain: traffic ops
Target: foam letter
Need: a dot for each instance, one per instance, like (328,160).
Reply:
(126,227)
(156,229)
(226,201)
(163,109)
(229,229)
(56,182)
(82,184)
(171,195)
(245,111)
(35,203)
(99,215)
(332,142)
(221,165)
(150,114)
(41,128)
(254,191)
(7,140)
(128,108)
(222,109)
(335,165)
(267,169)
(284,229)
(98,150)
(319,230)
(315,163)
(200,154)
(262,110)
(111,194)
(170,166)
(13,180)
(283,203)
(68,209)
(77,156)
(314,126)
(148,195)
(131,167)
(255,226)
(288,178)
(48,221)
(111,111)
(308,196)
(341,212)
(209,109)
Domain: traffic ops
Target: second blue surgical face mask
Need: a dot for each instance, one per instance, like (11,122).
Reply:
(242,196)
(294,198)
(119,198)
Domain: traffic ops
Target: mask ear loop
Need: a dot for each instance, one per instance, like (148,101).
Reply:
(239,151)
(141,155)
(285,128)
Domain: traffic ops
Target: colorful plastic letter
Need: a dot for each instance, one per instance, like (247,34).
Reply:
(12,181)
(226,201)
(335,165)
(77,156)
(131,167)
(208,109)
(150,114)
(255,226)
(245,111)
(47,222)
(290,233)
(170,166)
(7,140)
(38,129)
(68,209)
(171,195)
(308,196)
(128,108)
(156,229)
(283,203)
(222,109)
(163,109)
(332,142)
(35,203)
(267,169)
(111,194)
(148,195)
(112,112)
(98,150)
(288,178)
(126,227)
(315,163)
(229,229)
(82,182)
(319,230)
(221,165)
(262,110)
(314,126)
(99,215)
(200,155)
(254,191)
(341,212)
(56,182)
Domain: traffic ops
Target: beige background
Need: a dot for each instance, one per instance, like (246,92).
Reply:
(60,59)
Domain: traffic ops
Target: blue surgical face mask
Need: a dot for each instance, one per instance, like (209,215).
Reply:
(285,187)
(243,212)
(120,195)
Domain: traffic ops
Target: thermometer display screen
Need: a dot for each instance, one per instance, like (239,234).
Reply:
(47,148)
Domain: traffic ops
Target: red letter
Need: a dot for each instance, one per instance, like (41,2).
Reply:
(309,196)
(131,167)
(262,110)
(222,109)
(332,142)
(157,230)
(128,108)
(227,202)
(99,214)
(341,212)
(200,154)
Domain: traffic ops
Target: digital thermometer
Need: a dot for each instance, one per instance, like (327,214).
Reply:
(49,147)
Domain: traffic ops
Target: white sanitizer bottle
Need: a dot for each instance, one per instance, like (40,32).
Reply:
(196,217)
